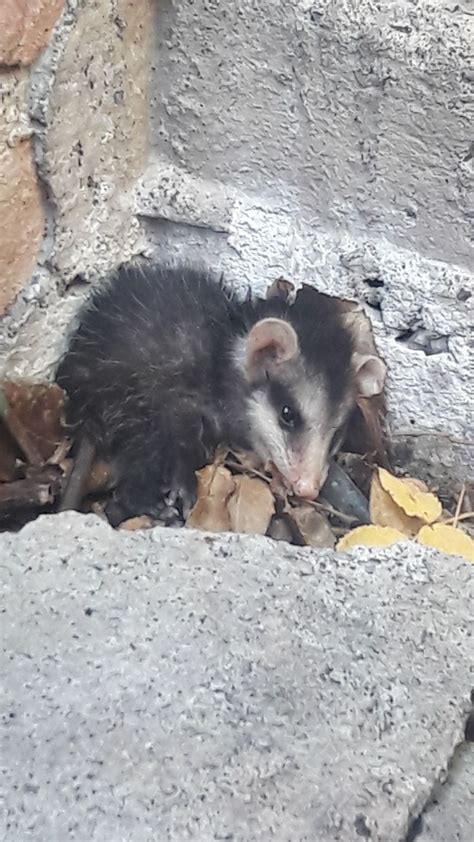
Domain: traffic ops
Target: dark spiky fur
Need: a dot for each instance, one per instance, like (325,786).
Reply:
(152,381)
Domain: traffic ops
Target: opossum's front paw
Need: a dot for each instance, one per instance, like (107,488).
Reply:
(146,494)
(182,493)
(115,513)
(182,498)
(134,497)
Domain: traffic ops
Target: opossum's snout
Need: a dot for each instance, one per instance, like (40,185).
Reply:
(307,484)
(306,488)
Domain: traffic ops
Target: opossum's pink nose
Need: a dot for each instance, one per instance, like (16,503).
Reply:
(306,488)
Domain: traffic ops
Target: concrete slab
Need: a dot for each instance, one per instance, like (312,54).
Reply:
(173,685)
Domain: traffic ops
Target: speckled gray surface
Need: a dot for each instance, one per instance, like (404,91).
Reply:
(171,685)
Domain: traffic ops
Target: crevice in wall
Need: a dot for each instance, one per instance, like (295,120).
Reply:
(416,826)
(420,339)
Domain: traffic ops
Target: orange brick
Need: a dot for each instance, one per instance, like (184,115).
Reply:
(21,217)
(25,27)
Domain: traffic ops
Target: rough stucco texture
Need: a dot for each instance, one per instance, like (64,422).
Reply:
(356,113)
(170,685)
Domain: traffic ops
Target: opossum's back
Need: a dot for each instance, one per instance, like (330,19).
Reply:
(147,338)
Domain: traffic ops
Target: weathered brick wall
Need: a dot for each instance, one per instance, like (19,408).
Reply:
(25,27)
(73,140)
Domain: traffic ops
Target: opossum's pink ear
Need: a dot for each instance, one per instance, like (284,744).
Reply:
(270,340)
(369,373)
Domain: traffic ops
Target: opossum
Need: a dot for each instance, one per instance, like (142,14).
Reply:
(167,363)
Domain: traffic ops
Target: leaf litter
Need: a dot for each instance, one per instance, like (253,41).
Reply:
(402,508)
(362,504)
(33,450)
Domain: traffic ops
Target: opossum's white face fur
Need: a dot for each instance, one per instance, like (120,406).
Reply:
(298,404)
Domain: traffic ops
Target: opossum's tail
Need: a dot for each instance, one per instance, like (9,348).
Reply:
(74,488)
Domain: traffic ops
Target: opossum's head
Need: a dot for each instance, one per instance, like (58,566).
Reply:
(304,378)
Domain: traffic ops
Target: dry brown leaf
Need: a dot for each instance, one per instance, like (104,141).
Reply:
(25,494)
(411,496)
(385,512)
(8,455)
(215,485)
(370,536)
(366,432)
(98,508)
(359,326)
(246,460)
(251,505)
(39,408)
(280,288)
(134,523)
(60,455)
(313,526)
(221,454)
(278,485)
(447,539)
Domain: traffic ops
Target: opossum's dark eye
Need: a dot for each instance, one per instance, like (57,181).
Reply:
(288,416)
(285,405)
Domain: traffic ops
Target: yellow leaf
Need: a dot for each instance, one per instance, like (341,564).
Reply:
(370,536)
(384,511)
(215,485)
(410,495)
(448,539)
(250,506)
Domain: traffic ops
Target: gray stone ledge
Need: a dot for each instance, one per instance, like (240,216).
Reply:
(176,685)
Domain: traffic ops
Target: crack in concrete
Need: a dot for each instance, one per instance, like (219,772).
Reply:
(416,825)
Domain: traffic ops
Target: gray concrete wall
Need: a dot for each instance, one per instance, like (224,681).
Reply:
(350,115)
(327,141)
